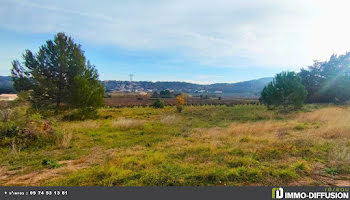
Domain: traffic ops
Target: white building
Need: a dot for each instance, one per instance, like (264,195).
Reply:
(8,97)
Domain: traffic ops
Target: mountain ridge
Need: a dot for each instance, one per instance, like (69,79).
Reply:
(250,88)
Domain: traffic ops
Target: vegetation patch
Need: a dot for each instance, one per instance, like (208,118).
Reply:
(148,147)
(125,124)
(51,164)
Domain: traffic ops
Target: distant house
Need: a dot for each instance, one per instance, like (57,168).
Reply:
(142,93)
(199,91)
(8,97)
(218,92)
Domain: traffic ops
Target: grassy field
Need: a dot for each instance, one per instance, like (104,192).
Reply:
(203,145)
(131,100)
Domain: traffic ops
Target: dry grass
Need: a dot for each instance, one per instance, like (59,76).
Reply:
(5,114)
(334,122)
(125,124)
(303,135)
(169,119)
(38,177)
(258,128)
(301,148)
(66,139)
(340,154)
(88,124)
(328,114)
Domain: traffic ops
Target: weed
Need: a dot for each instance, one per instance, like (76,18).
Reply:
(332,171)
(158,104)
(244,139)
(66,139)
(51,164)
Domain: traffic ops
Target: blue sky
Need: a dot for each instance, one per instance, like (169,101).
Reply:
(200,41)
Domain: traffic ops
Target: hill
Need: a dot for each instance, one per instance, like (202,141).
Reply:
(250,88)
(6,85)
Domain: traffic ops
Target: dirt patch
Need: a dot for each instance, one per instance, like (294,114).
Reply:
(345,183)
(15,177)
(318,177)
(34,178)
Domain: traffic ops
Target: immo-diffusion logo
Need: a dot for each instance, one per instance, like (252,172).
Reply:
(279,193)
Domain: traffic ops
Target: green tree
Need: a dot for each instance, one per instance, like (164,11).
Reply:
(328,81)
(58,74)
(87,92)
(166,94)
(286,89)
(158,104)
(267,95)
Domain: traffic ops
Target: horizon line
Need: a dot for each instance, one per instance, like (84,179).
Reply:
(179,81)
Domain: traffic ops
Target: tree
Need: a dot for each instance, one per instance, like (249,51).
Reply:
(88,92)
(285,89)
(180,101)
(166,94)
(328,81)
(267,95)
(155,95)
(58,74)
(158,104)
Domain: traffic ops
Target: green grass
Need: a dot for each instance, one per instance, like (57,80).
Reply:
(203,145)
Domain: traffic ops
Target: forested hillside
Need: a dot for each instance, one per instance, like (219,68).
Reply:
(6,85)
(250,88)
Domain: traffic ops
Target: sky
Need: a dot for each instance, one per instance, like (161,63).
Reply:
(199,41)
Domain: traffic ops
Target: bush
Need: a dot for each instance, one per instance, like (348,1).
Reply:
(81,114)
(24,130)
(51,164)
(179,108)
(180,102)
(5,114)
(9,130)
(158,104)
(332,171)
(13,136)
(88,113)
(23,98)
(286,89)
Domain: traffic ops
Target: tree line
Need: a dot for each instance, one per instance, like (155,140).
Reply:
(323,82)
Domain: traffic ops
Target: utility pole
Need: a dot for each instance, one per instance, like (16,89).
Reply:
(131,84)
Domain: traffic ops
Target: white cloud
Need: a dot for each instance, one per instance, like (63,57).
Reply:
(272,33)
